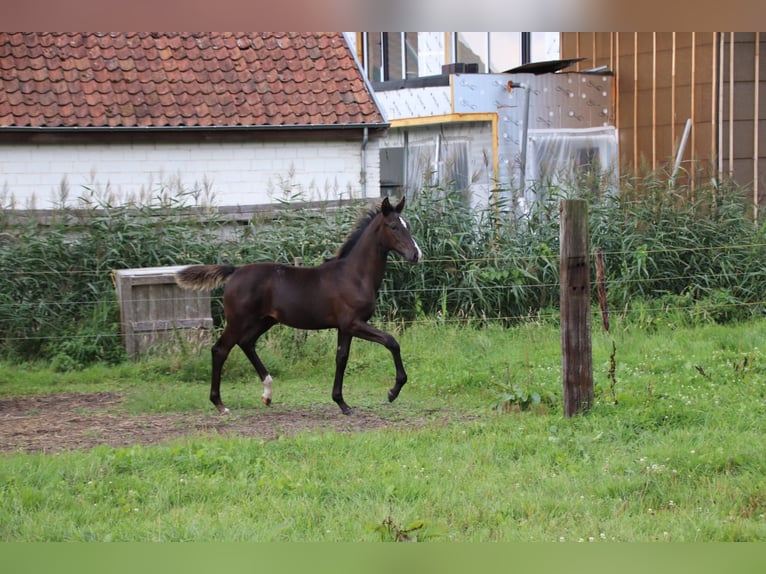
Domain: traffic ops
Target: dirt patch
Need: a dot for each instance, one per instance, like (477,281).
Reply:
(69,421)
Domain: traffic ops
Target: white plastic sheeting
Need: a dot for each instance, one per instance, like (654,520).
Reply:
(570,159)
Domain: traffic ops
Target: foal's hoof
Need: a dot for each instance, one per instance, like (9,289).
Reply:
(266,401)
(223,411)
(346,410)
(392,395)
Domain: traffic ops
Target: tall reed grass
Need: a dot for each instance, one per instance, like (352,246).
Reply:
(689,253)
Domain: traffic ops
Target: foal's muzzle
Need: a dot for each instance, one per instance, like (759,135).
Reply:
(415,255)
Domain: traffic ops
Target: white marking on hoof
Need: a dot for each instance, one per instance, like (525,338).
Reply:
(225,411)
(266,396)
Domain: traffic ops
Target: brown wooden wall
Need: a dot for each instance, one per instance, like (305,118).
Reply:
(662,79)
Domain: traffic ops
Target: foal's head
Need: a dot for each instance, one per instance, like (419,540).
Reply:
(395,232)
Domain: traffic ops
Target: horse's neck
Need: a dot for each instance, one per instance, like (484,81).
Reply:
(368,258)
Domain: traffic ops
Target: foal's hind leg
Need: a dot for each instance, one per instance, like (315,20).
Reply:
(341,359)
(247,344)
(220,352)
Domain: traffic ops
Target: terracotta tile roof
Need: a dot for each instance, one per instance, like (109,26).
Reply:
(181,79)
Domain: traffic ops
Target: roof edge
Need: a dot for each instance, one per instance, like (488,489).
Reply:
(293,127)
(367,82)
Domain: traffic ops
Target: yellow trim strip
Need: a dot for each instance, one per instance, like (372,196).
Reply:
(444,119)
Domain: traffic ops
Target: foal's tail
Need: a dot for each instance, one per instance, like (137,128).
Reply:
(203,276)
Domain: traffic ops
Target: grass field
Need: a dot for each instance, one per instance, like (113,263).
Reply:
(679,456)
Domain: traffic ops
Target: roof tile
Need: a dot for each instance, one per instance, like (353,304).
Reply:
(189,79)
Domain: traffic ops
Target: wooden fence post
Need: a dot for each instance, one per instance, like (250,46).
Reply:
(576,351)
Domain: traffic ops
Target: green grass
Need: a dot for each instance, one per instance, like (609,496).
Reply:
(679,457)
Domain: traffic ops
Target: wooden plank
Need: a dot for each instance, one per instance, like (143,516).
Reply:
(153,279)
(172,324)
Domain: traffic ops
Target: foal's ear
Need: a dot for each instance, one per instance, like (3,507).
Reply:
(385,206)
(399,206)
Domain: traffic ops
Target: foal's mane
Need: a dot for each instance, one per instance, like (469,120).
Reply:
(353,237)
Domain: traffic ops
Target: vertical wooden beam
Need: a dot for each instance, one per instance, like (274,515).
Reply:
(673,118)
(713,87)
(756,119)
(595,49)
(576,351)
(731,104)
(635,101)
(654,101)
(577,48)
(693,112)
(721,54)
(617,84)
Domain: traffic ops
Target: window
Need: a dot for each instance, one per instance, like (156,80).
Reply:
(496,52)
(436,161)
(392,172)
(395,55)
(390,55)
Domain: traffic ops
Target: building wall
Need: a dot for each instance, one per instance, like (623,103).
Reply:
(716,80)
(33,174)
(662,80)
(435,147)
(741,137)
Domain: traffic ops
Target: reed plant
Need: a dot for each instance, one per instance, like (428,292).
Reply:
(673,253)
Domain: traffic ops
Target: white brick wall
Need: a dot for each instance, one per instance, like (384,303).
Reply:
(243,173)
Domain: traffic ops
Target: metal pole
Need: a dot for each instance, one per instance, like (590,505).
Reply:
(681,149)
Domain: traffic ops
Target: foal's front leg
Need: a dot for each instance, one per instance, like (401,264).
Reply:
(341,358)
(369,333)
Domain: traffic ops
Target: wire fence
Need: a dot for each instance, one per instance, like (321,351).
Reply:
(656,307)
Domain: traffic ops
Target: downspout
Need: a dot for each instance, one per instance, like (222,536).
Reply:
(680,154)
(524,137)
(405,175)
(524,133)
(365,141)
(381,109)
